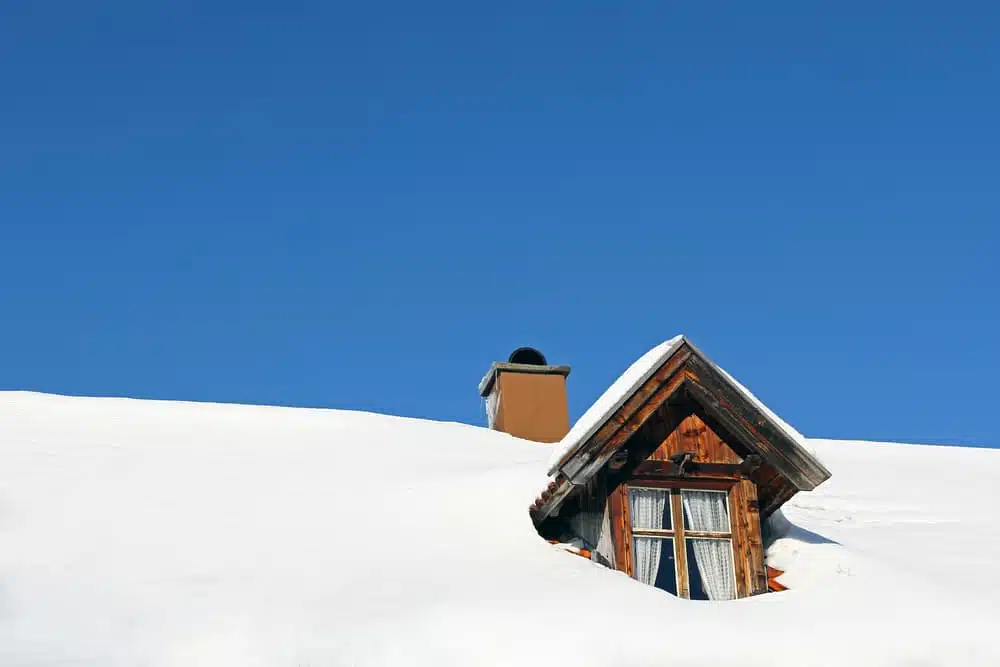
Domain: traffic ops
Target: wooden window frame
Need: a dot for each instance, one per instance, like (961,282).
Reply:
(678,534)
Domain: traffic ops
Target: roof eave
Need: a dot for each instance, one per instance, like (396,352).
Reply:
(802,470)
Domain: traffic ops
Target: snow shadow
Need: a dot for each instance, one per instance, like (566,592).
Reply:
(779,527)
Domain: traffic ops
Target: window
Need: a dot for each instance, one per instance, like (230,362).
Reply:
(682,541)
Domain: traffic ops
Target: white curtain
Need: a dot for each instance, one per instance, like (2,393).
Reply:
(707,512)
(595,529)
(647,508)
(605,551)
(715,565)
(646,554)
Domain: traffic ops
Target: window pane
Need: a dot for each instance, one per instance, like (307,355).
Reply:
(650,508)
(705,510)
(710,569)
(653,562)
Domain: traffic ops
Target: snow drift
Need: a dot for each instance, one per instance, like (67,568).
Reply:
(178,534)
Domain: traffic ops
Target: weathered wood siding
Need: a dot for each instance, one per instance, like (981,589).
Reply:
(748,547)
(620,530)
(693,435)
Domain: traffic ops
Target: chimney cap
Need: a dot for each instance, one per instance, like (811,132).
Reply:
(527,355)
(521,360)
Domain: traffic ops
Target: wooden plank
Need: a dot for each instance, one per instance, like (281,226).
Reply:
(722,411)
(639,417)
(642,396)
(553,500)
(628,418)
(776,497)
(757,574)
(706,443)
(694,483)
(696,470)
(680,553)
(695,436)
(693,534)
(704,534)
(620,533)
(770,500)
(731,406)
(738,525)
(661,422)
(671,415)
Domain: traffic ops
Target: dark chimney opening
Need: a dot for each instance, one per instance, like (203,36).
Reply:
(527,355)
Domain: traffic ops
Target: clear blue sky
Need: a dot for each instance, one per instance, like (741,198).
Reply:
(362,205)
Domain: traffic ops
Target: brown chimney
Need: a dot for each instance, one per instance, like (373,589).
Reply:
(526,397)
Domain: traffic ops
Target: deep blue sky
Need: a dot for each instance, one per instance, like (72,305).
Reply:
(362,205)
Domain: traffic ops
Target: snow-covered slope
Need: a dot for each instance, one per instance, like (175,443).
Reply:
(154,533)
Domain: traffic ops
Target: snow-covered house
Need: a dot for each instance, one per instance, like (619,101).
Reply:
(668,476)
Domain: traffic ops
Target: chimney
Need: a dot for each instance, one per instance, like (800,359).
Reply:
(526,397)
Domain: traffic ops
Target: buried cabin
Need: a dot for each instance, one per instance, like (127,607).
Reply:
(668,477)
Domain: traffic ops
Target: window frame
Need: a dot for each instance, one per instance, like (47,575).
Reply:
(678,534)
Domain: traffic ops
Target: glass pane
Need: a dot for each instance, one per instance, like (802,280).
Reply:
(650,509)
(653,562)
(710,569)
(705,510)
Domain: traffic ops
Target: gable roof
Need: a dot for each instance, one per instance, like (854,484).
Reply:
(676,365)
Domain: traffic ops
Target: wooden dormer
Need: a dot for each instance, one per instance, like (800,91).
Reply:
(671,479)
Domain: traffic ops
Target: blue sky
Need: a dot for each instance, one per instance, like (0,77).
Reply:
(362,205)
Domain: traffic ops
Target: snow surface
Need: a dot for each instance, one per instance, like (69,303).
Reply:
(141,533)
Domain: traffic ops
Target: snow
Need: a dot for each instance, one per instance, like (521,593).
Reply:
(180,534)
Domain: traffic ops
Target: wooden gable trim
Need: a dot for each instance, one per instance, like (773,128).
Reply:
(693,470)
(689,371)
(730,407)
(628,418)
(558,491)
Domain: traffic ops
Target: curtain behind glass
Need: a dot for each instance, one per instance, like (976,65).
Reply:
(706,511)
(646,554)
(605,547)
(714,559)
(650,509)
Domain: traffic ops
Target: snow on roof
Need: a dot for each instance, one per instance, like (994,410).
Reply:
(179,534)
(612,399)
(622,389)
